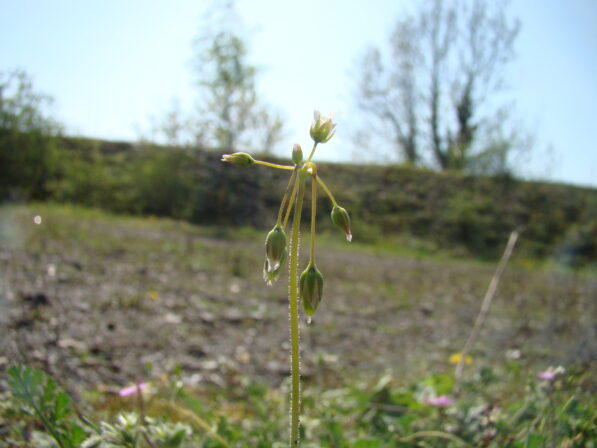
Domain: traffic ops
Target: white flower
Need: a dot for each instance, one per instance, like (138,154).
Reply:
(323,127)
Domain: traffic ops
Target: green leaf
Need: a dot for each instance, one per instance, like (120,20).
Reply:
(61,405)
(535,440)
(367,443)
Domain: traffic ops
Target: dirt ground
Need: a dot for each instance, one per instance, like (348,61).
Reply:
(100,301)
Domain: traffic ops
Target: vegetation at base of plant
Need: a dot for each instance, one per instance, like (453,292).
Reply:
(41,399)
(504,406)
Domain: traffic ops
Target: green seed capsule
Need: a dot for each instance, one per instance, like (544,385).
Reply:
(297,154)
(275,249)
(341,219)
(311,288)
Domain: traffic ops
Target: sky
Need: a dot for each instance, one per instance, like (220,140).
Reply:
(114,65)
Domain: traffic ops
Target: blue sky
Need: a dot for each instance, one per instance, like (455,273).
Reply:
(112,65)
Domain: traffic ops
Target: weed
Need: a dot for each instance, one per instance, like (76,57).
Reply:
(307,289)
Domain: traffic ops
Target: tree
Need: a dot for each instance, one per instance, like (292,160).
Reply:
(27,139)
(228,113)
(229,110)
(440,88)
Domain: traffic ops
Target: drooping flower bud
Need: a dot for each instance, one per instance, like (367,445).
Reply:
(311,288)
(341,219)
(241,159)
(275,252)
(297,154)
(322,128)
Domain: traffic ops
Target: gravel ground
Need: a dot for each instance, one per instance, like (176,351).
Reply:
(97,300)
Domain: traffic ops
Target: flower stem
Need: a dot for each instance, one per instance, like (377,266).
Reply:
(291,203)
(313,217)
(294,328)
(327,190)
(274,165)
(290,184)
(312,152)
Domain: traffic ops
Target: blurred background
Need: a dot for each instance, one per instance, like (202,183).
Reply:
(128,250)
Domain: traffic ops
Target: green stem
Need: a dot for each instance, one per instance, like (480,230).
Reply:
(294,328)
(327,190)
(312,152)
(274,165)
(437,434)
(280,212)
(290,203)
(47,424)
(313,217)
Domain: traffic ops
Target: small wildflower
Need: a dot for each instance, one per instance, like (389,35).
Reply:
(132,390)
(297,154)
(51,270)
(37,219)
(241,159)
(456,357)
(513,354)
(153,295)
(551,373)
(443,401)
(341,219)
(323,127)
(311,288)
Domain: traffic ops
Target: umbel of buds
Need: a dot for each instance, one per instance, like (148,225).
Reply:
(342,220)
(311,288)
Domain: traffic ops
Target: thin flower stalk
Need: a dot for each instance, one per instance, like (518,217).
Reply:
(295,393)
(313,217)
(285,198)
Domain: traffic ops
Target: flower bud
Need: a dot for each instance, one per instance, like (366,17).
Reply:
(241,159)
(322,128)
(275,250)
(297,154)
(311,287)
(341,219)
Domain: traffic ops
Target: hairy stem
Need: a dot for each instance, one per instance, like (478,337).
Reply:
(294,327)
(313,217)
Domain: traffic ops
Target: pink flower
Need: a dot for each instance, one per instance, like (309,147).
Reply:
(443,401)
(132,390)
(547,375)
(551,373)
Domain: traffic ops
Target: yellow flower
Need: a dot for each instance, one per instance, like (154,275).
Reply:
(456,357)
(153,295)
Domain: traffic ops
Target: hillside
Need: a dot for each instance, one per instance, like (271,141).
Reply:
(422,209)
